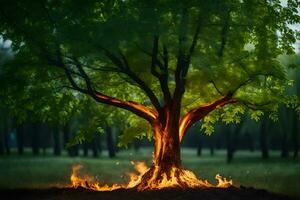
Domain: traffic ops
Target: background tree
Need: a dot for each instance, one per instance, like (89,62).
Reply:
(289,118)
(25,100)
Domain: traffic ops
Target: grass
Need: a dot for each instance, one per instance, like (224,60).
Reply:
(248,169)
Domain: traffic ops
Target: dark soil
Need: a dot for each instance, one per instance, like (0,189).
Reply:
(167,194)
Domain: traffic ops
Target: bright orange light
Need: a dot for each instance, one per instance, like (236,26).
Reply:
(179,178)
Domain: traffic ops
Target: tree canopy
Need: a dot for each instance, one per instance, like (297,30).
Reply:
(143,55)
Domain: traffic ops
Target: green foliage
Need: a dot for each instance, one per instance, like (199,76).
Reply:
(238,49)
(134,129)
(208,123)
(28,90)
(232,114)
(228,114)
(256,114)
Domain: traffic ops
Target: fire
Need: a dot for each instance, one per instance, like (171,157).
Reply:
(177,178)
(223,182)
(88,181)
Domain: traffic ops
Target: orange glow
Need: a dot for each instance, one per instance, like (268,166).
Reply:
(158,141)
(150,112)
(183,125)
(178,178)
(200,112)
(223,182)
(89,182)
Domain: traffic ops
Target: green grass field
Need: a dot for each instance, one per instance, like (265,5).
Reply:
(248,169)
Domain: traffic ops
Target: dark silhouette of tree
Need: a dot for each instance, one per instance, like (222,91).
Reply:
(263,138)
(20,138)
(231,140)
(67,135)
(110,143)
(35,129)
(199,147)
(56,140)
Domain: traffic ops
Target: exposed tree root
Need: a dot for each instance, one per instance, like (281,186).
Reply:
(171,177)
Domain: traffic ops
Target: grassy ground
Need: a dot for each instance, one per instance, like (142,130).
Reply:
(275,174)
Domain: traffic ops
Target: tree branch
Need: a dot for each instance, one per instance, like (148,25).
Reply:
(134,107)
(183,60)
(154,100)
(199,113)
(195,39)
(154,57)
(138,109)
(163,75)
(58,61)
(124,68)
(215,86)
(224,33)
(254,106)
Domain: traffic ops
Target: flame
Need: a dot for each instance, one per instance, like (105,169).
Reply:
(88,181)
(223,182)
(185,177)
(177,178)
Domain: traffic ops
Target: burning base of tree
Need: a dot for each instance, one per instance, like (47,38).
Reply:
(145,178)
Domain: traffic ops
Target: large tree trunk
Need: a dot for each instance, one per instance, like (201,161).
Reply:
(166,157)
(166,160)
(167,150)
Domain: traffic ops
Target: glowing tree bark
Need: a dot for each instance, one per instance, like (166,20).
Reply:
(168,133)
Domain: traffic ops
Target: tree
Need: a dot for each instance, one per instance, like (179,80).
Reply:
(20,138)
(231,140)
(67,132)
(5,54)
(191,60)
(25,93)
(288,117)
